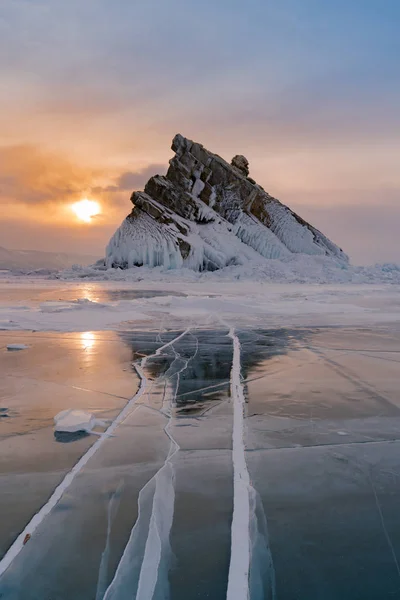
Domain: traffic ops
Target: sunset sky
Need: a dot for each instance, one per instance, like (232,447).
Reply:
(93,91)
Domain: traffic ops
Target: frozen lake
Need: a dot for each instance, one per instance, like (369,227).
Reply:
(261,454)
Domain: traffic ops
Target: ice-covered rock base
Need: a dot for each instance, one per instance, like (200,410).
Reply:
(207,214)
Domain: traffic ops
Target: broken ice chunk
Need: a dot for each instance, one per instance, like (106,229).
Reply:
(16,347)
(73,420)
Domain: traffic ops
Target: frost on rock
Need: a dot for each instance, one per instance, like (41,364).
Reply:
(207,214)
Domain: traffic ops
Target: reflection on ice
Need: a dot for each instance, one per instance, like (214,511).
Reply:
(88,340)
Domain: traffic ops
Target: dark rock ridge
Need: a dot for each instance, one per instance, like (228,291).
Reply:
(206,214)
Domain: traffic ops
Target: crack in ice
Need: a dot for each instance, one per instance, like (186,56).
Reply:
(251,566)
(157,542)
(55,497)
(239,568)
(384,528)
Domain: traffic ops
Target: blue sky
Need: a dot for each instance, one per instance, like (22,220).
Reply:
(308,90)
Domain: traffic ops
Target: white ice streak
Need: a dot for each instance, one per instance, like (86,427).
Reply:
(152,573)
(33,524)
(157,543)
(239,568)
(251,570)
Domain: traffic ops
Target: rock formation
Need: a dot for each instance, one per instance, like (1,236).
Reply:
(206,214)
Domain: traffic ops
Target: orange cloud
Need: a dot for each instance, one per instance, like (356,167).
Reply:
(29,176)
(38,188)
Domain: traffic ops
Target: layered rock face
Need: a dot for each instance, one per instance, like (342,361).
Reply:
(206,214)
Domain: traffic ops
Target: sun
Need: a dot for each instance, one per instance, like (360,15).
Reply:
(86,209)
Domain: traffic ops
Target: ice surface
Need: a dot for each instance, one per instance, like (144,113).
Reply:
(136,302)
(322,438)
(281,399)
(93,371)
(180,355)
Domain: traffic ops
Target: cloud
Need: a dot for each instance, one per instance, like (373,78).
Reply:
(30,176)
(117,195)
(135,180)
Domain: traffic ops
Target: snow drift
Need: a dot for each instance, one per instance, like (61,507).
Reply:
(207,214)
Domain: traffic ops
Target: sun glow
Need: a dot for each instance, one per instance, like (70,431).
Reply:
(86,209)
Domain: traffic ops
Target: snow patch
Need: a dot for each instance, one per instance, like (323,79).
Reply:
(292,268)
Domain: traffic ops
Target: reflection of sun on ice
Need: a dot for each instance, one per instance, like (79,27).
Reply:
(89,292)
(88,340)
(86,209)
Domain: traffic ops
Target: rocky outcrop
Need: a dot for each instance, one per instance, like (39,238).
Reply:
(206,214)
(240,162)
